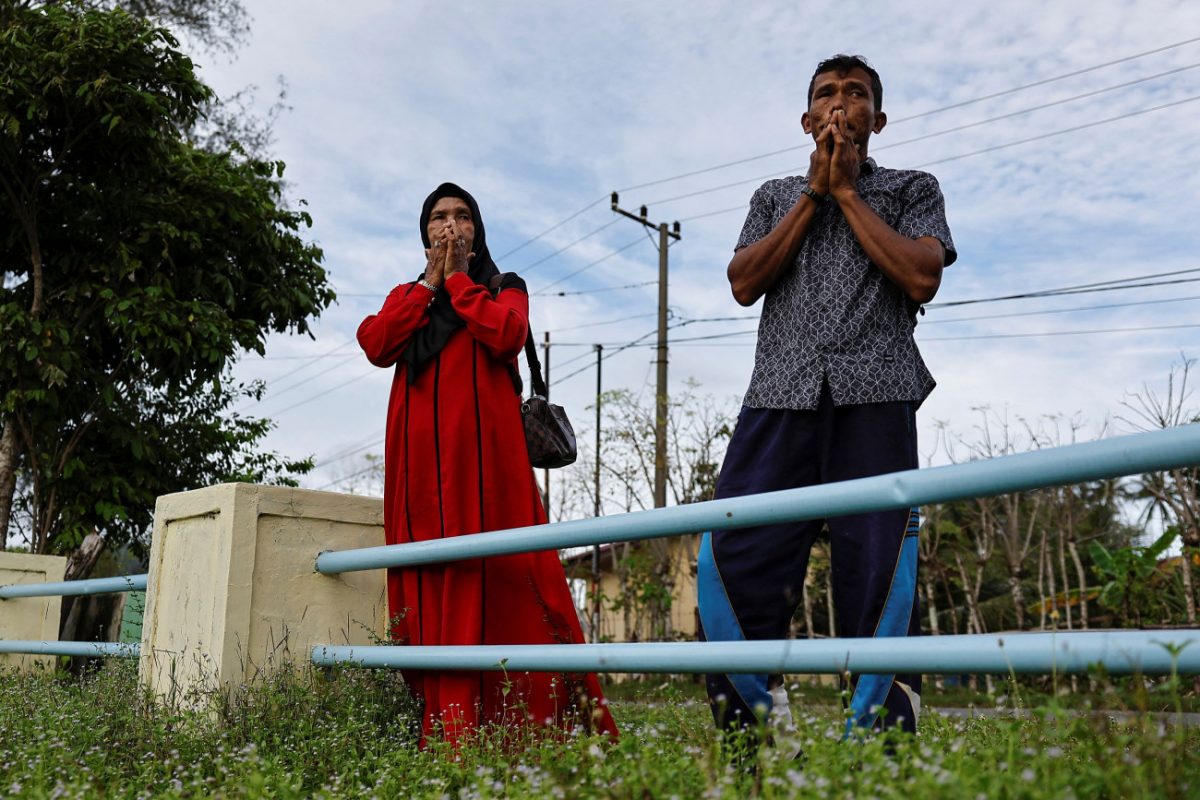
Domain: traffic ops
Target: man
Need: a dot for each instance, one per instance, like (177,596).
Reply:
(844,256)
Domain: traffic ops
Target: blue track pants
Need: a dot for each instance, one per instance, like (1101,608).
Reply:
(749,580)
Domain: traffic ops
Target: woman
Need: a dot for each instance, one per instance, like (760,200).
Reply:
(456,463)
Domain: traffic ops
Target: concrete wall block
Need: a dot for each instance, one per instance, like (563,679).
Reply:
(30,618)
(232,591)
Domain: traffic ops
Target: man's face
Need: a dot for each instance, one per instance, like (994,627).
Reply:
(850,93)
(450,219)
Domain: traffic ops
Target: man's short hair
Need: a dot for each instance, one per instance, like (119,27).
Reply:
(841,64)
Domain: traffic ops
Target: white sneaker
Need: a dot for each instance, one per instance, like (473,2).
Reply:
(780,717)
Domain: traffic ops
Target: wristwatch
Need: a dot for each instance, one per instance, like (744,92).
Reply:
(427,285)
(816,196)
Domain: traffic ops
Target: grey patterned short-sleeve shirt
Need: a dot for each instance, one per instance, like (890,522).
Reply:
(835,317)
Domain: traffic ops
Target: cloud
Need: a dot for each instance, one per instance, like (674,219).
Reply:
(542,109)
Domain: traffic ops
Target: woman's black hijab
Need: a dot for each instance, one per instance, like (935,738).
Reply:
(443,320)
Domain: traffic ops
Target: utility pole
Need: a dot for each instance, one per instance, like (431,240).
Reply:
(596,510)
(546,472)
(660,415)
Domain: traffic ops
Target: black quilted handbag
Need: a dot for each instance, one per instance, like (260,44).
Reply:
(548,433)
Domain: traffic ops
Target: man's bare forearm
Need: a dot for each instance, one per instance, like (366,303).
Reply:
(756,268)
(915,265)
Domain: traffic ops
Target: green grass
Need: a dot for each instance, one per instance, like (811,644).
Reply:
(350,734)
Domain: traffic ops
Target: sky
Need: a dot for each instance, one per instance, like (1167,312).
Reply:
(1062,136)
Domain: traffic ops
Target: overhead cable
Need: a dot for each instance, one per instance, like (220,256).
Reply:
(585,267)
(594,291)
(931,112)
(795,169)
(555,226)
(1081,288)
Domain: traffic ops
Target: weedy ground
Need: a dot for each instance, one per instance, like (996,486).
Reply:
(350,733)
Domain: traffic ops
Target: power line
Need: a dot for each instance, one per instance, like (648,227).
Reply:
(982,151)
(595,291)
(619,250)
(309,399)
(572,359)
(893,123)
(1060,310)
(741,207)
(626,346)
(795,169)
(1082,288)
(695,340)
(309,360)
(530,267)
(362,444)
(713,168)
(920,115)
(742,318)
(1045,81)
(274,395)
(1138,329)
(599,324)
(1073,129)
(1061,333)
(1032,109)
(352,475)
(293,358)
(374,443)
(555,226)
(982,317)
(1131,282)
(913,140)
(715,336)
(326,354)
(1118,283)
(606,356)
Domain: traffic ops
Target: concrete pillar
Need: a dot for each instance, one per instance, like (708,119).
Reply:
(30,618)
(232,593)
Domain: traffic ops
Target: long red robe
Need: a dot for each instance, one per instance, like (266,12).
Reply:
(456,463)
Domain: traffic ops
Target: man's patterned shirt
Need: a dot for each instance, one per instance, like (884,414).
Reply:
(835,317)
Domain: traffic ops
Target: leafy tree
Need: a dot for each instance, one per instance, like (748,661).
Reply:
(215,24)
(1133,585)
(698,429)
(1174,494)
(136,267)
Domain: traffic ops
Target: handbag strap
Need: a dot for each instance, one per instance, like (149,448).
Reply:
(535,366)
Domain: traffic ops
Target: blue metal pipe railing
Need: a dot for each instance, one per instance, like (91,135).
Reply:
(86,649)
(1109,458)
(1118,652)
(124,583)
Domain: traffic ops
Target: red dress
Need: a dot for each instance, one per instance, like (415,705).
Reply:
(456,463)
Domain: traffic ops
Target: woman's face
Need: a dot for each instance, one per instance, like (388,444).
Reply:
(449,219)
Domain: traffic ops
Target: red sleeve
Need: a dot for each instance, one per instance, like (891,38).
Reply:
(500,324)
(384,336)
